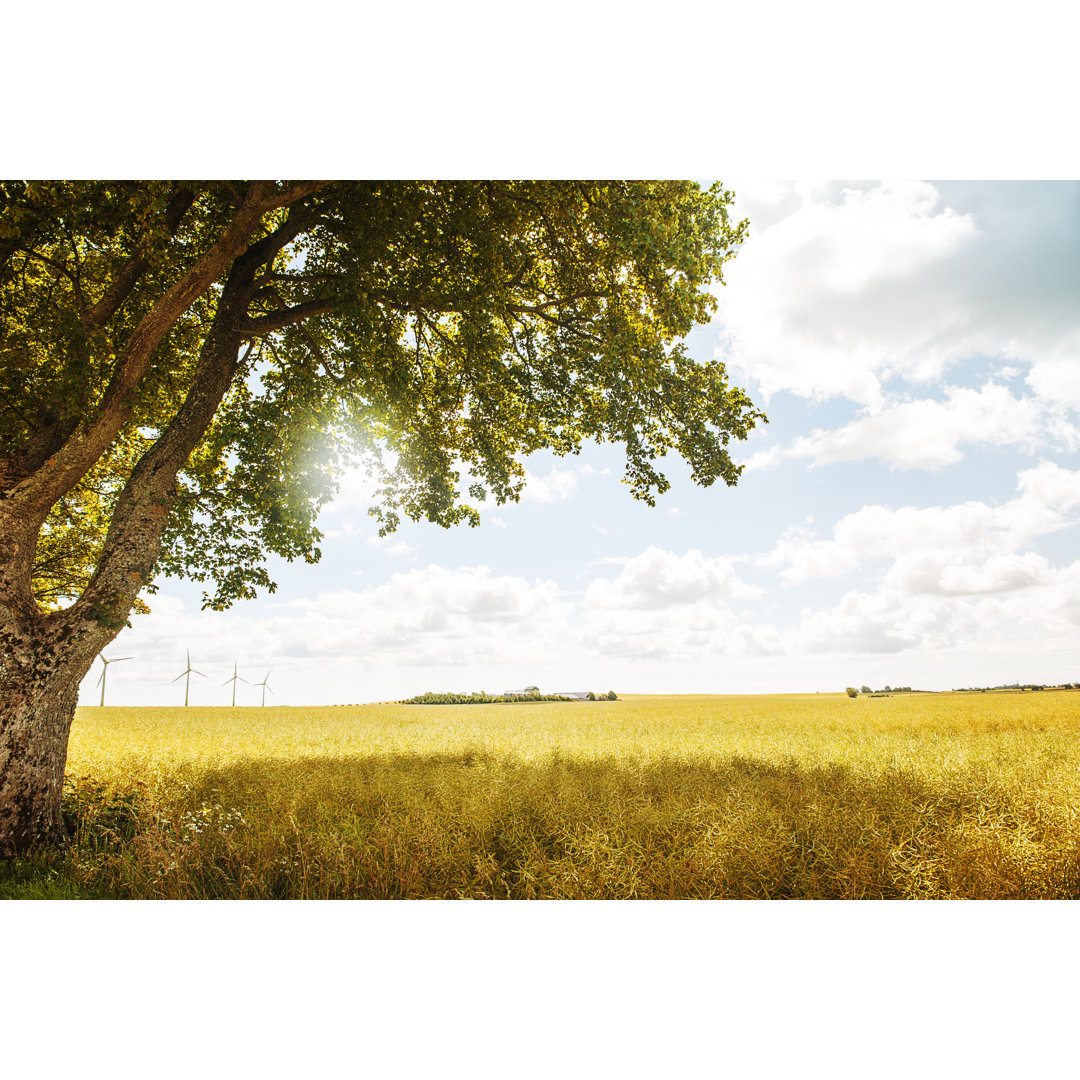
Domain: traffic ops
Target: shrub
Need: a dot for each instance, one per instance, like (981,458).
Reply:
(852,692)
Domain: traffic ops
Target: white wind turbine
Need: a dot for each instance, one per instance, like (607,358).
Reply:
(104,670)
(190,671)
(265,684)
(234,680)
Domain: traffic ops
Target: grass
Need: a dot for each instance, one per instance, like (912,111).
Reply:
(802,796)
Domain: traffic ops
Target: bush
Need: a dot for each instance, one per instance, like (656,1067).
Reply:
(852,692)
(611,696)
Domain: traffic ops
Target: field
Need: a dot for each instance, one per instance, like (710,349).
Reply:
(801,796)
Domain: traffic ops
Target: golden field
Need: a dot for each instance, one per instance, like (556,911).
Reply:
(780,796)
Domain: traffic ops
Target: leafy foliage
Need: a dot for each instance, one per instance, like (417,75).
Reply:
(438,332)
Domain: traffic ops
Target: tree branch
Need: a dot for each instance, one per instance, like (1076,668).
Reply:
(133,542)
(536,309)
(278,320)
(120,287)
(70,462)
(290,195)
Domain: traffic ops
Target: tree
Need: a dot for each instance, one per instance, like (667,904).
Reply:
(185,367)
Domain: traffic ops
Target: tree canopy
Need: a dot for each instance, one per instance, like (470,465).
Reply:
(231,345)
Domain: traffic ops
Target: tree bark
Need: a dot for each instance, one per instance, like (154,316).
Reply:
(42,662)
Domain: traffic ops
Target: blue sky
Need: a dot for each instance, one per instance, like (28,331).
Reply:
(908,516)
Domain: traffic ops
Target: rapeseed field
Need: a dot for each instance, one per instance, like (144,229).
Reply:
(801,796)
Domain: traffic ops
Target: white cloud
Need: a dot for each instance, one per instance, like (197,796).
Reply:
(658,579)
(886,621)
(946,574)
(805,558)
(966,549)
(388,545)
(1058,377)
(348,528)
(558,486)
(825,299)
(928,434)
(843,286)
(432,595)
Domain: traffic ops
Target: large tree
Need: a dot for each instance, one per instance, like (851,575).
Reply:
(185,366)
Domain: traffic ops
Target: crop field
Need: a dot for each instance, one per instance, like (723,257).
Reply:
(802,796)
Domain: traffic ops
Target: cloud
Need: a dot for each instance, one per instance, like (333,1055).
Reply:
(928,434)
(658,579)
(886,621)
(803,557)
(841,287)
(965,549)
(388,545)
(558,486)
(426,598)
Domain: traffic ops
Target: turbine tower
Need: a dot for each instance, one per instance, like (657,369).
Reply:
(104,670)
(190,671)
(265,684)
(234,680)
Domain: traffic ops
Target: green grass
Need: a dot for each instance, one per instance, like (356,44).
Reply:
(802,796)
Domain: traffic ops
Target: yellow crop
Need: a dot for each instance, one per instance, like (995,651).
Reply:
(914,795)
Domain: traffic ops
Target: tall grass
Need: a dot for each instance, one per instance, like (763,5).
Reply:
(811,796)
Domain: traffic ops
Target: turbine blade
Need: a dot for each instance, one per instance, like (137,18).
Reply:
(180,676)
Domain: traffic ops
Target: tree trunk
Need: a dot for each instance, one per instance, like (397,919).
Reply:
(41,666)
(44,657)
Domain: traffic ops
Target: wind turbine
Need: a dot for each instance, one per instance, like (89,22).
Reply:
(190,671)
(101,681)
(234,680)
(265,684)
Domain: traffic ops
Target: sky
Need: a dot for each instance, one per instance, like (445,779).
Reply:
(908,516)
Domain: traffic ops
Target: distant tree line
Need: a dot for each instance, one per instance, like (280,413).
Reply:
(478,697)
(852,692)
(1021,686)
